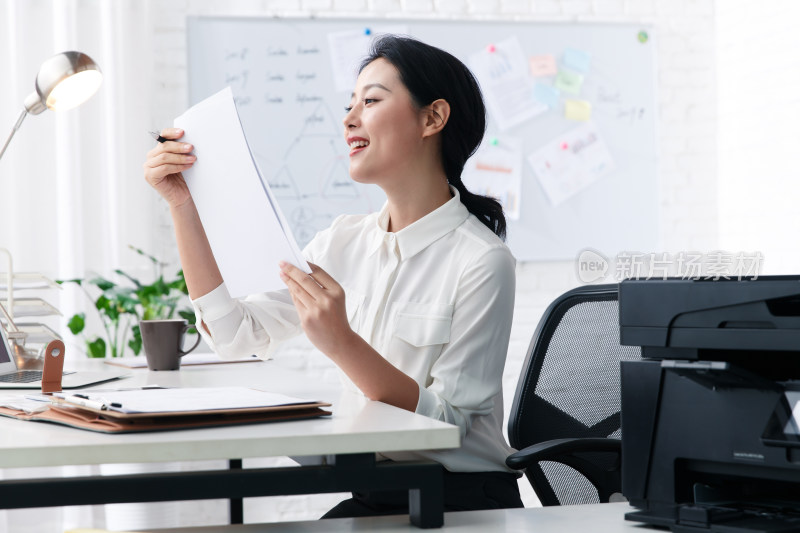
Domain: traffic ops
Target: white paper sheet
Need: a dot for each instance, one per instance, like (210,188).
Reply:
(243,222)
(571,162)
(185,400)
(349,48)
(187,360)
(507,85)
(26,404)
(496,170)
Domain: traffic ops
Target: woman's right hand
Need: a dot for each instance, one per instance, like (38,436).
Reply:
(164,165)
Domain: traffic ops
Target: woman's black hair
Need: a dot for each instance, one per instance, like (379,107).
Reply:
(431,74)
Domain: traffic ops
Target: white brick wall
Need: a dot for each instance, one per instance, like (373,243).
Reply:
(686,138)
(759,110)
(453,7)
(384,6)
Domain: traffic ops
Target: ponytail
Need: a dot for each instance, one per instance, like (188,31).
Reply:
(485,208)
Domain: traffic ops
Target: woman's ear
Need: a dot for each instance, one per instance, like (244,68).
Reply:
(436,115)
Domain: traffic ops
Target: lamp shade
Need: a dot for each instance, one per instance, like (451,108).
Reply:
(64,81)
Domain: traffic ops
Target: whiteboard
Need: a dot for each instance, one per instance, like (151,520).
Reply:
(282,78)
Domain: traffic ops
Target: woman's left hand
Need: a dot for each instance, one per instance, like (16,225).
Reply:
(320,302)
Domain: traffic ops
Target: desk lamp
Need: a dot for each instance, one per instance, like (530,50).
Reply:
(66,80)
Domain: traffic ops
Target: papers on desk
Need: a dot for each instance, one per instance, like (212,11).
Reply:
(23,403)
(187,360)
(244,224)
(126,411)
(184,401)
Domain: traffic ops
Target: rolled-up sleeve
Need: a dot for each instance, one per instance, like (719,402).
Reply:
(466,378)
(253,326)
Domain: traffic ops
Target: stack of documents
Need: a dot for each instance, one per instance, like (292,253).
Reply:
(124,411)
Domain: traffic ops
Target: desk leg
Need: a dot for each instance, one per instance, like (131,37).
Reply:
(425,484)
(235,505)
(426,505)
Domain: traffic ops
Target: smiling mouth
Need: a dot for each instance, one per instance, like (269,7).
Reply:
(357,146)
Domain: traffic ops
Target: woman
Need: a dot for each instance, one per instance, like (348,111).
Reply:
(414,303)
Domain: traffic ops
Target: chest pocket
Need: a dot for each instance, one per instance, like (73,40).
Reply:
(423,330)
(419,333)
(423,324)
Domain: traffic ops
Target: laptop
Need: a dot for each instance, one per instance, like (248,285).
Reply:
(13,378)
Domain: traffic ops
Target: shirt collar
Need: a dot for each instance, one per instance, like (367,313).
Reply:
(417,236)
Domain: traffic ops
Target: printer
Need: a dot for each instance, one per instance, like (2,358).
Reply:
(711,413)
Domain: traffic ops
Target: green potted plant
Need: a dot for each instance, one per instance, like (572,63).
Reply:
(120,307)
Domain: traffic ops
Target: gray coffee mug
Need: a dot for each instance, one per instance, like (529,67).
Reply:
(163,343)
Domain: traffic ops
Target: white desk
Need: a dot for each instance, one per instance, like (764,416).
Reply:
(599,518)
(357,429)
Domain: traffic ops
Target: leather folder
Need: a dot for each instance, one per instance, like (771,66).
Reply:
(114,422)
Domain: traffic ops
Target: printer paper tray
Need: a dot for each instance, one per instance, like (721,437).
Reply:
(722,520)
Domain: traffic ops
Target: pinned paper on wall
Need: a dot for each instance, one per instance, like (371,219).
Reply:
(569,82)
(546,94)
(571,162)
(543,65)
(576,60)
(577,110)
(349,48)
(496,170)
(502,71)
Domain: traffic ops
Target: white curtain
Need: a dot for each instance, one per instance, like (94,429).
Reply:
(72,196)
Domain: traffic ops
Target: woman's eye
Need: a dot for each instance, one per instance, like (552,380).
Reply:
(349,108)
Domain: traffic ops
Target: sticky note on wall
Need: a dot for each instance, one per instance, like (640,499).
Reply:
(543,65)
(577,60)
(577,110)
(568,81)
(546,94)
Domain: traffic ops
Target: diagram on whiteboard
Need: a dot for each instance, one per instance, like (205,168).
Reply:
(312,176)
(318,137)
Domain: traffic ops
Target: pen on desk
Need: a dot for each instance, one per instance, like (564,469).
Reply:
(84,401)
(143,387)
(158,137)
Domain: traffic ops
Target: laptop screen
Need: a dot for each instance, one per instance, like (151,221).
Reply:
(5,357)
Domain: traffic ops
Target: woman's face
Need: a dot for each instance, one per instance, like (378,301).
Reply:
(383,127)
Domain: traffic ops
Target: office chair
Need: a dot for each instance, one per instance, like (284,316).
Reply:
(565,419)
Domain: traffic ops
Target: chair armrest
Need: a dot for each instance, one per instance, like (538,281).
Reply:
(551,450)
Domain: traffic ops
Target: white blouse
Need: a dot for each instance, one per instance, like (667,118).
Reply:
(435,299)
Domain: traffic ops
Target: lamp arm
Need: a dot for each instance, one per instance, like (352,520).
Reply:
(13,131)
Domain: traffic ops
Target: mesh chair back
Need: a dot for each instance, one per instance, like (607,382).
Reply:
(570,388)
